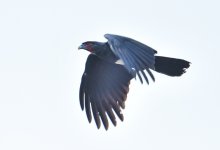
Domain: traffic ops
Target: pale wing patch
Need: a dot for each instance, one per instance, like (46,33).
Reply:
(120,62)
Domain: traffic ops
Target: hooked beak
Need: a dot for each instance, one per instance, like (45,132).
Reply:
(81,47)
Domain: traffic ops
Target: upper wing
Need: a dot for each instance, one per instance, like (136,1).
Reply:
(136,56)
(104,87)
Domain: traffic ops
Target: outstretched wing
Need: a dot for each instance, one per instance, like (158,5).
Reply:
(104,87)
(136,56)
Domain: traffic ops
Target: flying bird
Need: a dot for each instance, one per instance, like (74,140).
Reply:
(108,71)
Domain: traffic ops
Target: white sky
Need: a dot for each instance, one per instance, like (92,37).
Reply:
(41,68)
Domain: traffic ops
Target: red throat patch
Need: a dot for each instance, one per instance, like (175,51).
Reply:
(89,47)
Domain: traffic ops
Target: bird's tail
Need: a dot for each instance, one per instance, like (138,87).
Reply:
(171,66)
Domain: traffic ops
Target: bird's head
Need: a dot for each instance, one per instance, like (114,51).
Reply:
(92,46)
(89,46)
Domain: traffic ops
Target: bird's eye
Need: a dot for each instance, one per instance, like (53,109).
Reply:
(86,43)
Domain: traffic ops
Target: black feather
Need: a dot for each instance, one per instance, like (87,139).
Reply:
(171,66)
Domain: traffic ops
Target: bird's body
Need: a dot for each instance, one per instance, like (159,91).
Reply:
(103,51)
(109,69)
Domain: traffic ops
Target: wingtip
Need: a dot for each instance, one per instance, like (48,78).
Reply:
(82,106)
(106,127)
(98,126)
(89,119)
(97,122)
(121,117)
(114,123)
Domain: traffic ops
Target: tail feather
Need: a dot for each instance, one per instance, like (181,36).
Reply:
(171,66)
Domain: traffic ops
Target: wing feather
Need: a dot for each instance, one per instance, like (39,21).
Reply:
(88,110)
(135,55)
(103,90)
(81,94)
(96,115)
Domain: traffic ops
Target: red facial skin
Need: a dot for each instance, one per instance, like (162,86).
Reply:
(89,47)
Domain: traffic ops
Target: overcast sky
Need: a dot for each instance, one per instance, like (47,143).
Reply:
(41,68)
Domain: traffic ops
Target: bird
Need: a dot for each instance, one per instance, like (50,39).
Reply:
(109,69)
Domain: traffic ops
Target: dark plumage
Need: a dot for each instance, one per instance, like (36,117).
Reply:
(105,82)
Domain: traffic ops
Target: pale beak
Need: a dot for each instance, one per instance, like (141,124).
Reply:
(81,47)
